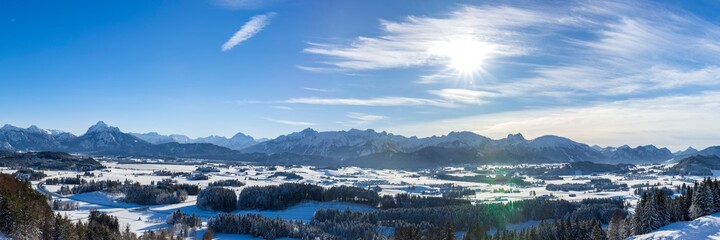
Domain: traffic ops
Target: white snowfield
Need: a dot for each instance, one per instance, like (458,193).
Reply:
(707,227)
(143,218)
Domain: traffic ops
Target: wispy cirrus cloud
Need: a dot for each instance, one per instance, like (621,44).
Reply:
(409,43)
(356,119)
(282,108)
(380,102)
(290,122)
(248,30)
(445,98)
(466,96)
(316,89)
(581,49)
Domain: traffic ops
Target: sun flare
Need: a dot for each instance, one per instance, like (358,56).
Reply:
(466,56)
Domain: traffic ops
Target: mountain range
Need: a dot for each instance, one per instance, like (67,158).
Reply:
(352,147)
(237,142)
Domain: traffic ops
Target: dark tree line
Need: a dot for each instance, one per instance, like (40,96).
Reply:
(333,224)
(93,186)
(227,183)
(217,199)
(64,205)
(28,175)
(346,224)
(173,186)
(171,174)
(404,200)
(496,215)
(432,222)
(151,195)
(567,229)
(285,195)
(178,217)
(66,180)
(574,220)
(458,193)
(264,227)
(287,175)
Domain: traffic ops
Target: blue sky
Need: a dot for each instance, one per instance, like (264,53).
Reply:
(599,72)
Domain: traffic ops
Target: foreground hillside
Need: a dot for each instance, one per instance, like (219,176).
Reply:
(707,227)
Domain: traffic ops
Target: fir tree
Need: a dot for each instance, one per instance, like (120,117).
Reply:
(702,202)
(597,233)
(616,226)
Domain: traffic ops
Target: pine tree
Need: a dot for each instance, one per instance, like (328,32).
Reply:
(702,202)
(640,222)
(716,195)
(449,232)
(615,227)
(627,228)
(652,213)
(597,232)
(687,202)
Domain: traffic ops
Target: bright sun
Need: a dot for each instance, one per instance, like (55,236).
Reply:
(466,56)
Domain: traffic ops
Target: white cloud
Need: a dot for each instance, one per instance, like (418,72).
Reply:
(446,98)
(382,101)
(248,30)
(410,42)
(359,119)
(623,50)
(675,122)
(282,108)
(289,122)
(463,95)
(316,89)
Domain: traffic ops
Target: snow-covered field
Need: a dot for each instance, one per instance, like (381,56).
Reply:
(142,218)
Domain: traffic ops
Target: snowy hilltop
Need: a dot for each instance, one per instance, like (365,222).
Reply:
(707,227)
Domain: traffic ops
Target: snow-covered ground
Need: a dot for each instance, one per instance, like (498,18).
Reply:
(142,218)
(707,227)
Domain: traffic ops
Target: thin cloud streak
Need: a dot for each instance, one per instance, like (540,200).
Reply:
(248,30)
(283,108)
(382,101)
(290,122)
(359,119)
(316,89)
(463,95)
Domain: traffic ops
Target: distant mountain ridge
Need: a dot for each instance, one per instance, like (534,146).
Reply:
(697,165)
(351,147)
(237,142)
(368,147)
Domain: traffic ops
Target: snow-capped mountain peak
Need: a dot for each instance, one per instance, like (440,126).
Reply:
(8,127)
(101,127)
